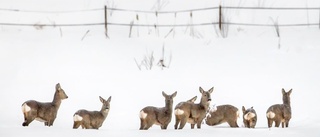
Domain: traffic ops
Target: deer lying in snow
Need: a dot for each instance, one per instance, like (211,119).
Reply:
(92,119)
(191,112)
(44,112)
(249,117)
(280,113)
(160,116)
(224,113)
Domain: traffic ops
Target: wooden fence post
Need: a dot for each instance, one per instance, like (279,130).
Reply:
(106,20)
(220,18)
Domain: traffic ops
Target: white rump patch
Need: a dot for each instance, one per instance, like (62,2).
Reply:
(142,114)
(77,118)
(249,116)
(271,114)
(238,114)
(178,112)
(25,108)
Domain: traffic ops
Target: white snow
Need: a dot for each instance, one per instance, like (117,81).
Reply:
(246,69)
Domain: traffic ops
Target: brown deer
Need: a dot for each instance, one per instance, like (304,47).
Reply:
(280,113)
(154,115)
(249,117)
(92,119)
(191,112)
(43,112)
(222,114)
(192,100)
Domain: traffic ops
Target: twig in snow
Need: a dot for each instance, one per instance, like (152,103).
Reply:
(85,35)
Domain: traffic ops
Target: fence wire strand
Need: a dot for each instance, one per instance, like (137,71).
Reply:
(162,12)
(161,25)
(166,12)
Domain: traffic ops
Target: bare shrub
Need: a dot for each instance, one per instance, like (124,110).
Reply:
(277,30)
(148,60)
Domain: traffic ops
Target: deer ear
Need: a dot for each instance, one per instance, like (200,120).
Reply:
(201,90)
(164,94)
(101,99)
(283,91)
(174,94)
(211,90)
(109,99)
(290,91)
(194,99)
(58,87)
(243,109)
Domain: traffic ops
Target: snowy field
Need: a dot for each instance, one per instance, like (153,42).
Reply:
(247,68)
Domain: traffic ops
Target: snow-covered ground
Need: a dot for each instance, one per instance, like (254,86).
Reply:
(247,68)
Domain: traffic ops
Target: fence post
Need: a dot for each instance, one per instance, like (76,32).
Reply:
(106,20)
(220,18)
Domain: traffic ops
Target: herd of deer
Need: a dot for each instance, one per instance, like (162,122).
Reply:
(185,112)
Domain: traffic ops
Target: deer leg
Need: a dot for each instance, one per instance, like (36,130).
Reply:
(233,123)
(247,124)
(277,123)
(27,121)
(164,126)
(51,122)
(148,125)
(270,123)
(142,124)
(251,124)
(287,122)
(192,126)
(76,124)
(183,123)
(48,123)
(86,125)
(198,123)
(177,123)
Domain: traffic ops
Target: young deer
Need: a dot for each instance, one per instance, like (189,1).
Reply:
(154,115)
(280,113)
(92,119)
(43,112)
(191,112)
(221,114)
(249,117)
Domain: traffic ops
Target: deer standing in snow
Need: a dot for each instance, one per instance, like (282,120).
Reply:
(160,116)
(92,119)
(280,113)
(221,114)
(249,117)
(44,112)
(191,112)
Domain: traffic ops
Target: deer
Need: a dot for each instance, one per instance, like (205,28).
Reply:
(280,113)
(249,117)
(221,114)
(92,119)
(191,112)
(43,112)
(157,115)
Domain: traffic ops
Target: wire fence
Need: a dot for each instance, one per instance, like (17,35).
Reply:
(163,12)
(105,10)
